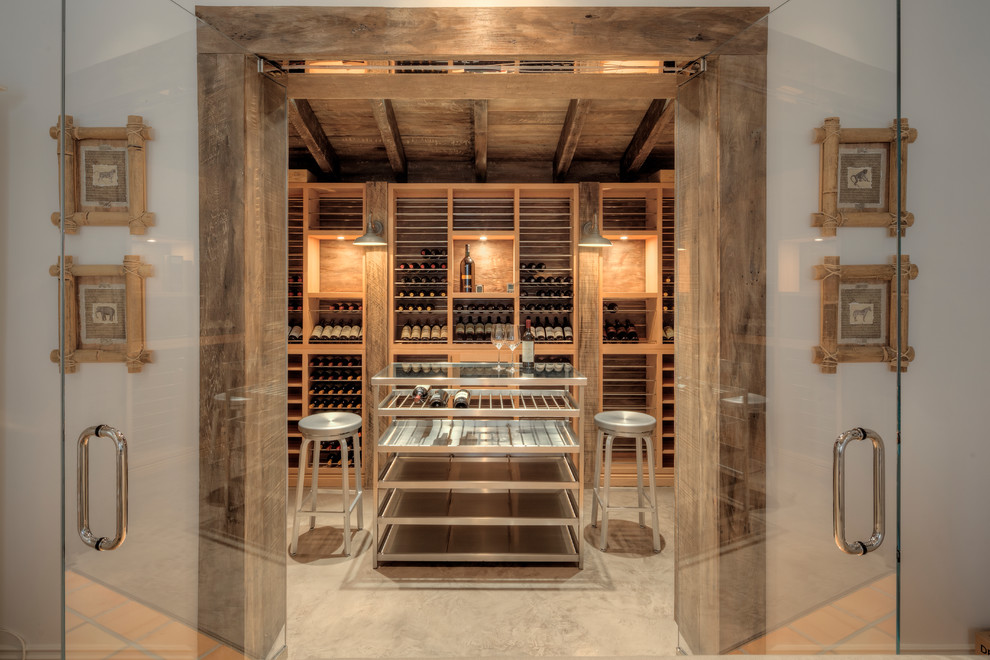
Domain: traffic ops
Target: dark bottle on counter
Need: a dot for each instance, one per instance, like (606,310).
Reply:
(467,270)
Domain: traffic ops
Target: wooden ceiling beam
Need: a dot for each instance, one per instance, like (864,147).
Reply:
(481,141)
(656,121)
(431,33)
(385,116)
(470,86)
(570,134)
(308,126)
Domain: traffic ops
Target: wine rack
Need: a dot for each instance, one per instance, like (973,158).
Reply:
(420,269)
(337,321)
(629,320)
(546,262)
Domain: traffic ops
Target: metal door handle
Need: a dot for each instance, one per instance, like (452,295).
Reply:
(82,484)
(839,492)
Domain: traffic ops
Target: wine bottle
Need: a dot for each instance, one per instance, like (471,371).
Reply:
(417,333)
(467,270)
(489,327)
(438,398)
(443,332)
(459,330)
(419,392)
(610,332)
(295,333)
(558,330)
(317,331)
(469,330)
(568,331)
(539,332)
(462,398)
(631,334)
(528,349)
(435,332)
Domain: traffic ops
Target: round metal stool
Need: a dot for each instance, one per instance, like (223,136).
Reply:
(315,429)
(624,424)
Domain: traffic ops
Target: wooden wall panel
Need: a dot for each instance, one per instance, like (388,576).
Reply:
(377,308)
(589,321)
(721,310)
(242,358)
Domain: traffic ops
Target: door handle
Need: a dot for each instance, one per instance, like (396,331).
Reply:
(101,543)
(839,492)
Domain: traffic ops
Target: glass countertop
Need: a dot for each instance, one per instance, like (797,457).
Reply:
(477,373)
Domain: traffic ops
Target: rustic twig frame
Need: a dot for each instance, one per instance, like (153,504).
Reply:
(858,313)
(858,181)
(104,308)
(104,182)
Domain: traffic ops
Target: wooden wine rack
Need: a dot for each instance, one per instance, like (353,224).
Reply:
(508,228)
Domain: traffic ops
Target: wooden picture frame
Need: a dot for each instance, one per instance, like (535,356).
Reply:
(857,182)
(858,319)
(105,182)
(104,308)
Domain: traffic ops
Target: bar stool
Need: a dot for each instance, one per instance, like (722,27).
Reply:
(624,424)
(315,429)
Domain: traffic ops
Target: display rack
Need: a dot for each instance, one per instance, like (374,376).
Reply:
(499,480)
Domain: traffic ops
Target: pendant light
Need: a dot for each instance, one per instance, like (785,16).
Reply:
(591,237)
(373,236)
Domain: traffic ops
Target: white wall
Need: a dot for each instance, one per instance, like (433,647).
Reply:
(149,69)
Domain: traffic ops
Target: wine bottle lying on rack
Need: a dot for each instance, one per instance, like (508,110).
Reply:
(462,399)
(438,398)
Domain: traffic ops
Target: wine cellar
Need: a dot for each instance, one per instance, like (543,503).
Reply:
(523,240)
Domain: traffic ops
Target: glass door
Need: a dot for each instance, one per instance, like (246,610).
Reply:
(173,508)
(787,495)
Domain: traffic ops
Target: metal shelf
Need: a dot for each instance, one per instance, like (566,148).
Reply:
(512,508)
(480,543)
(512,403)
(478,436)
(468,374)
(479,473)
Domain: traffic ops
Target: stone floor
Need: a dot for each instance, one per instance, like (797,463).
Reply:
(620,605)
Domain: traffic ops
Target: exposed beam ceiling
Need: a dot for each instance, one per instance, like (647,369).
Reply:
(426,33)
(577,111)
(308,126)
(480,125)
(385,116)
(656,121)
(483,86)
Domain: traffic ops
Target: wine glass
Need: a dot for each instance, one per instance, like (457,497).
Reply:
(512,338)
(498,339)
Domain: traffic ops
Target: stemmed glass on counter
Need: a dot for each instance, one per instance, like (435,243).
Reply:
(512,338)
(498,339)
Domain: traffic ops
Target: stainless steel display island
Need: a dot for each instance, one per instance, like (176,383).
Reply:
(498,480)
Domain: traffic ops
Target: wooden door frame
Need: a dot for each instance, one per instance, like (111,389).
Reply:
(723,181)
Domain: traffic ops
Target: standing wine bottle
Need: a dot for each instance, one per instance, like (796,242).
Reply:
(528,349)
(558,330)
(539,332)
(568,331)
(467,270)
(489,326)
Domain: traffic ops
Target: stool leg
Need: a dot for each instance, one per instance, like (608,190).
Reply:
(358,489)
(345,491)
(653,494)
(314,484)
(300,487)
(596,475)
(603,539)
(640,492)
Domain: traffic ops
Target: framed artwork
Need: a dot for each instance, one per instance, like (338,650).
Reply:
(103,308)
(104,178)
(858,313)
(858,180)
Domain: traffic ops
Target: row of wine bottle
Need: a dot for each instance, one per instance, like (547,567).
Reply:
(335,361)
(335,403)
(546,307)
(483,307)
(336,388)
(414,307)
(321,375)
(546,293)
(620,331)
(428,331)
(425,279)
(474,329)
(336,330)
(421,293)
(551,331)
(549,279)
(438,397)
(422,265)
